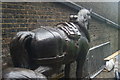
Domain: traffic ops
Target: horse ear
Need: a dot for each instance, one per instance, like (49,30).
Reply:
(90,10)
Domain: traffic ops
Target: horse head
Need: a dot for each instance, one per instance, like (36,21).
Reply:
(82,17)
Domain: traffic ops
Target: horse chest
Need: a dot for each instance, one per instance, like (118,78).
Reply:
(72,50)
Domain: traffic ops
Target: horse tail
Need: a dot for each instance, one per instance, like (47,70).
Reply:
(19,49)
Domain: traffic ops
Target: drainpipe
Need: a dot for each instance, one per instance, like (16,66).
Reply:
(93,14)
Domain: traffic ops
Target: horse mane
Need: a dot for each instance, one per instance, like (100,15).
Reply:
(85,31)
(81,27)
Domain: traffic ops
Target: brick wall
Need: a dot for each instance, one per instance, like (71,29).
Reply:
(101,33)
(23,16)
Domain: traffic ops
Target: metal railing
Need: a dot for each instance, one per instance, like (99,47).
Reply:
(95,59)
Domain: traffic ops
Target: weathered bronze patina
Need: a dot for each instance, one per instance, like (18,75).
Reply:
(52,47)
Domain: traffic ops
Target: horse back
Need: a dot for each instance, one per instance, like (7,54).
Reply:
(46,43)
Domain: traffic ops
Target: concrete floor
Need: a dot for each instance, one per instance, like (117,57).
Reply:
(105,74)
(111,74)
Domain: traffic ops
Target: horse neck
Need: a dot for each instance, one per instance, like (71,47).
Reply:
(86,24)
(82,28)
(81,20)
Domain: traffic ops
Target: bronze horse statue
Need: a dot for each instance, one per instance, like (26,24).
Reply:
(52,47)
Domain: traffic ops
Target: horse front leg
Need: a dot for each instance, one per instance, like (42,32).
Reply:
(84,47)
(79,73)
(67,71)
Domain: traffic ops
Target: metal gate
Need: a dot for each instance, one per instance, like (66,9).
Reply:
(95,59)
